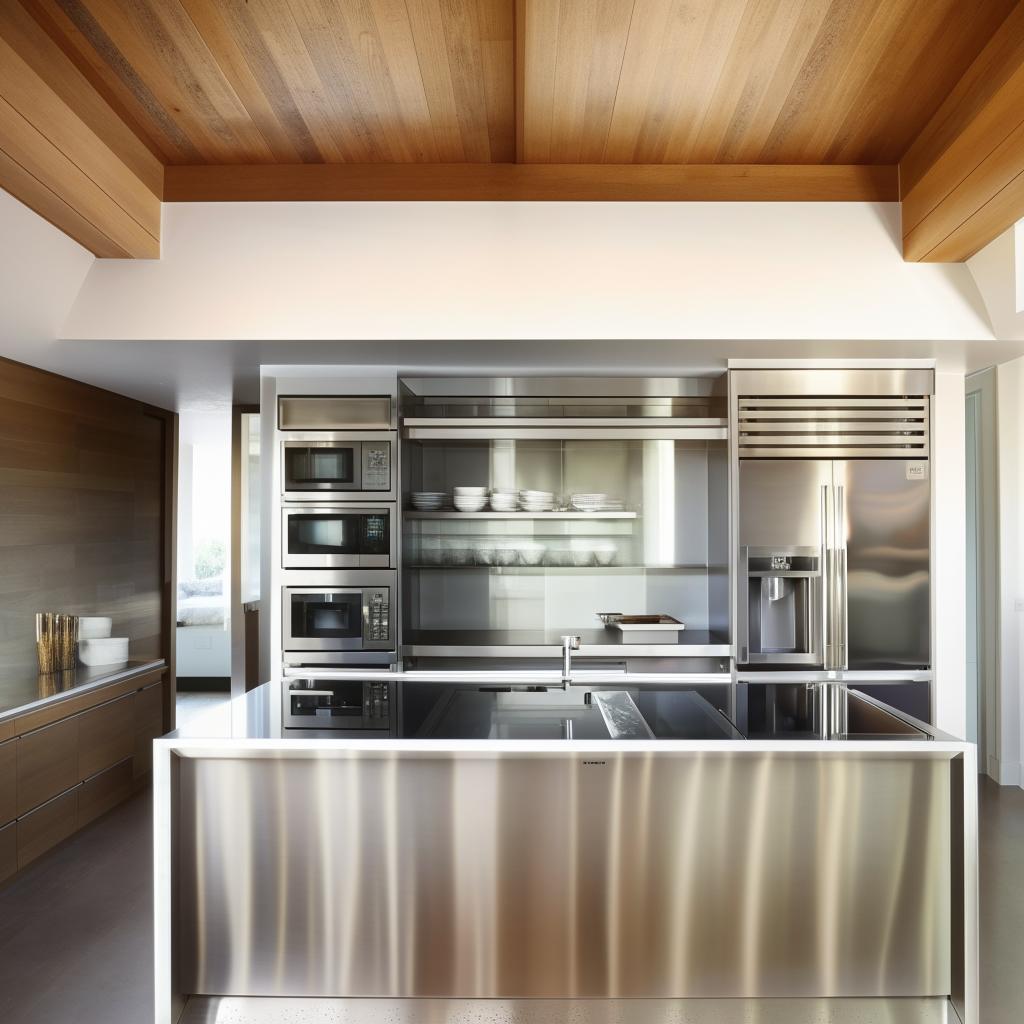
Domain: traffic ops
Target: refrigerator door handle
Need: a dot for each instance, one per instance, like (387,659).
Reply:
(826,581)
(842,590)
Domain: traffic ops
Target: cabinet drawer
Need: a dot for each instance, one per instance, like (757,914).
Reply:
(8,781)
(46,826)
(47,763)
(149,724)
(106,735)
(104,791)
(8,850)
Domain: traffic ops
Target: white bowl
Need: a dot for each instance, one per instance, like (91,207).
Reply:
(470,504)
(532,552)
(111,650)
(473,491)
(91,627)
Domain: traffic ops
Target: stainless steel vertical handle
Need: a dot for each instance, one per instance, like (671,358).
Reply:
(825,582)
(842,590)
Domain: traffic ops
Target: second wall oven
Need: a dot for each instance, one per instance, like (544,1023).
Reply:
(338,537)
(351,614)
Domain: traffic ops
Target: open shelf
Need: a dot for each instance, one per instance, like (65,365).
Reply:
(449,514)
(445,566)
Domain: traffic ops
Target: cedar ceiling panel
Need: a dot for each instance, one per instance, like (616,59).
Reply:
(288,81)
(741,81)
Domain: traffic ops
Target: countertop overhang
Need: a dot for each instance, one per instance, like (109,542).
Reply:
(24,692)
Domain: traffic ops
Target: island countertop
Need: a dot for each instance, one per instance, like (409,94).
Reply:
(22,691)
(499,708)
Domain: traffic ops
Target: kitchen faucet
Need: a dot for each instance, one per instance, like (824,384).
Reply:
(569,644)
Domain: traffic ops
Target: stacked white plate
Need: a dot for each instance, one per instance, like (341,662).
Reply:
(504,501)
(588,502)
(105,650)
(536,501)
(428,501)
(470,499)
(94,627)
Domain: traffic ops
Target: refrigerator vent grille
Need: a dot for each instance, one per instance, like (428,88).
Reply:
(841,427)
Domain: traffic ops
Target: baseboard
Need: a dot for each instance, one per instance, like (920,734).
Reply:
(204,684)
(1006,773)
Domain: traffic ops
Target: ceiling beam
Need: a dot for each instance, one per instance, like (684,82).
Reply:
(962,180)
(531,182)
(66,154)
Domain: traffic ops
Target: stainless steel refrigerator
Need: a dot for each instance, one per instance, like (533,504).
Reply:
(834,564)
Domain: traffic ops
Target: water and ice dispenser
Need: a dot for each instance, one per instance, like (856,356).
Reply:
(780,606)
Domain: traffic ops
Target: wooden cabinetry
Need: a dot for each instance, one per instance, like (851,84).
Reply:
(8,850)
(46,826)
(149,724)
(47,763)
(59,773)
(8,781)
(104,791)
(106,735)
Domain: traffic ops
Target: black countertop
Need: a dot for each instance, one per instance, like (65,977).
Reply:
(21,691)
(464,714)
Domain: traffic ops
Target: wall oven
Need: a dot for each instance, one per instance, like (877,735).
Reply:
(338,537)
(337,466)
(359,705)
(347,617)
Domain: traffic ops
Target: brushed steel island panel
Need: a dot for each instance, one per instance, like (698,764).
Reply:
(549,876)
(256,1010)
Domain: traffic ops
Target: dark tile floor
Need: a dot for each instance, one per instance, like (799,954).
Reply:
(76,943)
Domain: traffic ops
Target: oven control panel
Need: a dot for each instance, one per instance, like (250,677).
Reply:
(376,469)
(378,616)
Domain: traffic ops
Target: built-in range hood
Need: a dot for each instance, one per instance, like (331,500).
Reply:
(565,407)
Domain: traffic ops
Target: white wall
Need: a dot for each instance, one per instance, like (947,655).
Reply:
(517,271)
(998,271)
(949,558)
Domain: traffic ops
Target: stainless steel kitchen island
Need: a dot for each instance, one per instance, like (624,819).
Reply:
(685,879)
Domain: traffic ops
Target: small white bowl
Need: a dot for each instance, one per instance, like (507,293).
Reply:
(111,650)
(93,627)
(472,492)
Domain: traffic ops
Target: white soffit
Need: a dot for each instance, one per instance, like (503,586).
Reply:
(529,271)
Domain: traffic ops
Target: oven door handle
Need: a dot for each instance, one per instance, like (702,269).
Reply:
(311,693)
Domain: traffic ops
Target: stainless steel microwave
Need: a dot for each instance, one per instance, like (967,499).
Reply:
(346,615)
(338,536)
(337,466)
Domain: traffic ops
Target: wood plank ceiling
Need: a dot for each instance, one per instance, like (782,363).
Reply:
(620,81)
(830,93)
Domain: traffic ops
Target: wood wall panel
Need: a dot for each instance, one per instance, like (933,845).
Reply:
(82,513)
